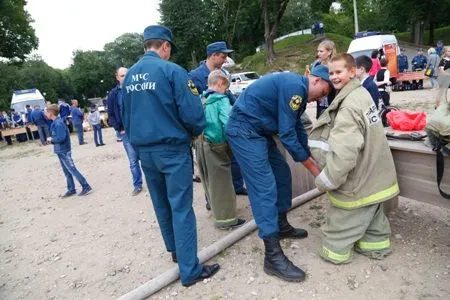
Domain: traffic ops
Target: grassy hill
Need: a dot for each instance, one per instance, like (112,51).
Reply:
(442,33)
(292,54)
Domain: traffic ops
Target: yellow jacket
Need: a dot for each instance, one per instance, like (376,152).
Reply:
(349,144)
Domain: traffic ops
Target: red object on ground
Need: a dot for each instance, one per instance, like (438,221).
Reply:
(407,121)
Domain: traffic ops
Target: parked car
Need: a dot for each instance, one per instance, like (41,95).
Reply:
(240,81)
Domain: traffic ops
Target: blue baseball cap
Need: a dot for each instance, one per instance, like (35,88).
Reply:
(322,72)
(159,32)
(217,47)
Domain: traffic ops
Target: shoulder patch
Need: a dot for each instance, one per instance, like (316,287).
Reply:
(295,102)
(192,87)
(371,115)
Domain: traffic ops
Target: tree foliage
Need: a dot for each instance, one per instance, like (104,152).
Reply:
(272,11)
(16,34)
(298,16)
(34,73)
(125,50)
(92,74)
(193,28)
(391,16)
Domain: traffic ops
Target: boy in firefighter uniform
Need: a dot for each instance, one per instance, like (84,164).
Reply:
(357,169)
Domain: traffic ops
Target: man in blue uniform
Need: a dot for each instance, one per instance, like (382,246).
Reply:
(402,59)
(273,105)
(77,121)
(115,108)
(38,118)
(419,63)
(161,115)
(217,54)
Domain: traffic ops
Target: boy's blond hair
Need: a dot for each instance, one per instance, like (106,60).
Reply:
(216,76)
(54,109)
(346,58)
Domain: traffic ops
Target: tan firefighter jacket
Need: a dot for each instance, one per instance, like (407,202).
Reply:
(350,146)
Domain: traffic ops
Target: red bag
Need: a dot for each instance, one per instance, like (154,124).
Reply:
(407,121)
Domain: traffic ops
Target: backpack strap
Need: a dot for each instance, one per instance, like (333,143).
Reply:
(440,166)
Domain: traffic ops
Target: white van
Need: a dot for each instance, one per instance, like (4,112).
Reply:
(22,98)
(385,42)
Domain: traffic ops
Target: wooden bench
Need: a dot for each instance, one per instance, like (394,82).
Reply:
(415,164)
(19,130)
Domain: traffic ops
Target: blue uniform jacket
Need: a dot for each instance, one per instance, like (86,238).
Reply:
(60,136)
(161,105)
(200,78)
(77,115)
(17,119)
(419,62)
(372,88)
(64,110)
(273,105)
(114,115)
(38,118)
(402,63)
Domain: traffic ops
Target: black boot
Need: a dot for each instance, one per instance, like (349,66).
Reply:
(174,257)
(277,264)
(207,272)
(287,231)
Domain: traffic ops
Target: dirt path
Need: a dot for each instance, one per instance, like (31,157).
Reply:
(103,245)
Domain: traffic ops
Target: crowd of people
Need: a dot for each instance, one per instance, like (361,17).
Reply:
(434,65)
(196,109)
(160,112)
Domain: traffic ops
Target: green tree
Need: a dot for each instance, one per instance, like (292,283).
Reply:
(16,34)
(34,73)
(319,7)
(92,74)
(125,50)
(239,22)
(272,13)
(193,28)
(298,16)
(8,83)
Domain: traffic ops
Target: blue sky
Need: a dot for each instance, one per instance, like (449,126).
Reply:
(63,26)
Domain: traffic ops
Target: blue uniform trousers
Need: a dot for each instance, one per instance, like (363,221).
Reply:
(133,158)
(238,180)
(168,172)
(44,133)
(266,174)
(80,132)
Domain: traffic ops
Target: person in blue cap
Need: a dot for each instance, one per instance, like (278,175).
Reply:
(162,112)
(272,106)
(402,61)
(419,63)
(217,54)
